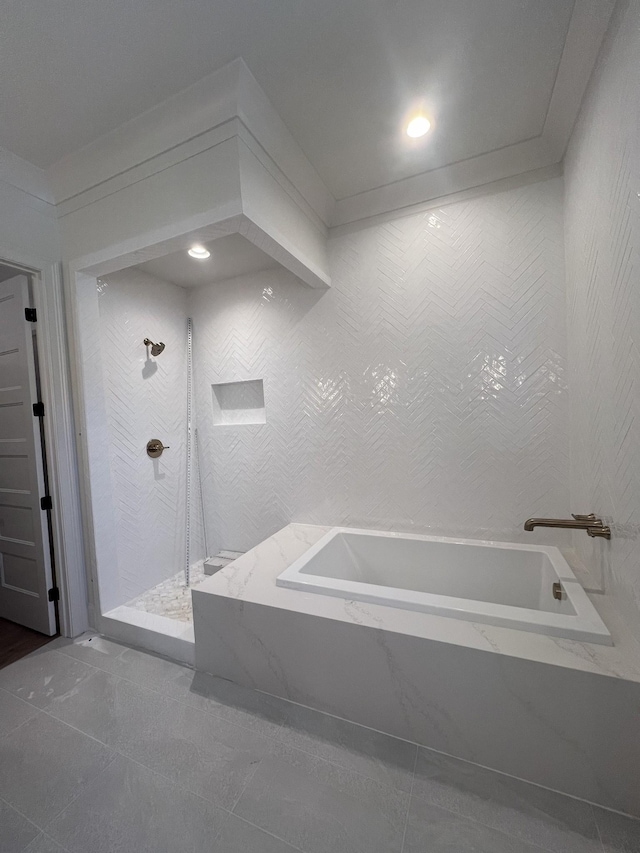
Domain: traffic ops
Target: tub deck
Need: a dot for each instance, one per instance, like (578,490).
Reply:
(525,704)
(493,583)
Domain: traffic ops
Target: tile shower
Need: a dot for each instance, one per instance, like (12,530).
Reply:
(401,398)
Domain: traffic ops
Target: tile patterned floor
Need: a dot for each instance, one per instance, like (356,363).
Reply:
(104,748)
(171,598)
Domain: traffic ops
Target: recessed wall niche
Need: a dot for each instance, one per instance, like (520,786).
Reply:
(238,403)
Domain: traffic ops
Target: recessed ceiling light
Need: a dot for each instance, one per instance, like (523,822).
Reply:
(199,252)
(418,126)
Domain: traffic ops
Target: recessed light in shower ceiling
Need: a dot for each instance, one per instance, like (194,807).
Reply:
(418,126)
(199,252)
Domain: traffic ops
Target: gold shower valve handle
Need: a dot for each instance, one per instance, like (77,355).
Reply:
(155,448)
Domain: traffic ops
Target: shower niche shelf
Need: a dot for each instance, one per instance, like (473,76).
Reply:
(238,403)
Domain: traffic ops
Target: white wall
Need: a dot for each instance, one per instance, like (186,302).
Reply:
(28,223)
(603,265)
(425,390)
(145,398)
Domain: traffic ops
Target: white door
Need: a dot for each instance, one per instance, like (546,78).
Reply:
(25,559)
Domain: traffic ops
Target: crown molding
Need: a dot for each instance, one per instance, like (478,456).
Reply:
(522,179)
(181,119)
(448,180)
(231,101)
(272,135)
(587,27)
(24,176)
(185,124)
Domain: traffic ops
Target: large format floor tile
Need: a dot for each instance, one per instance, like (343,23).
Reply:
(434,830)
(379,756)
(43,676)
(130,808)
(203,753)
(532,814)
(619,834)
(90,648)
(44,844)
(142,668)
(15,830)
(44,764)
(238,836)
(319,807)
(107,749)
(232,702)
(13,712)
(239,705)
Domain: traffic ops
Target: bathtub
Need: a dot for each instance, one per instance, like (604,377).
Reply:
(495,583)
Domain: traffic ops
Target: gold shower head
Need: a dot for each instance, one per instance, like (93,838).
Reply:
(156,349)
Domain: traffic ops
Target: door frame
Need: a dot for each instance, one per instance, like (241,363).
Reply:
(60,437)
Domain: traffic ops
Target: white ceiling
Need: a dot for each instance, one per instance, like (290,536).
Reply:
(231,256)
(341,73)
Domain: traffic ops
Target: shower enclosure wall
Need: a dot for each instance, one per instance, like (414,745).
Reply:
(215,162)
(157,513)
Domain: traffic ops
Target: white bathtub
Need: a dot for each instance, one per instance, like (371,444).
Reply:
(491,582)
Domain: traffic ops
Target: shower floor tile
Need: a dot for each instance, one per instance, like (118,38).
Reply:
(171,598)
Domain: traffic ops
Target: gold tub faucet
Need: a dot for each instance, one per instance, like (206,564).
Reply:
(591,523)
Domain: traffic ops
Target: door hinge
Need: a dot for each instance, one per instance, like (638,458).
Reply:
(30,315)
(38,410)
(54,594)
(46,502)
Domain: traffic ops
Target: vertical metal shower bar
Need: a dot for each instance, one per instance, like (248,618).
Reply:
(187,568)
(203,519)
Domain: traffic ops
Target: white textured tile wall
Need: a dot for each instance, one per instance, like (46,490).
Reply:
(144,399)
(97,432)
(426,390)
(602,178)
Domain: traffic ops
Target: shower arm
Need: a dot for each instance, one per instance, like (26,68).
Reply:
(156,349)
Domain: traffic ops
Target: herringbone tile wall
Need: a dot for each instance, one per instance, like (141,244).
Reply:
(426,390)
(602,176)
(145,398)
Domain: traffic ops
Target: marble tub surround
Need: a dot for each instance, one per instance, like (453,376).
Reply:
(95,764)
(555,712)
(252,579)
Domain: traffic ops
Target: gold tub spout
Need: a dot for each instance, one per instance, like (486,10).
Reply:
(591,523)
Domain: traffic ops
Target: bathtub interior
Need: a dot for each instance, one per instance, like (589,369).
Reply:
(512,576)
